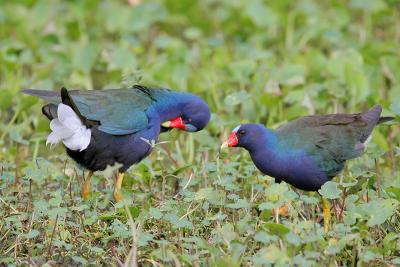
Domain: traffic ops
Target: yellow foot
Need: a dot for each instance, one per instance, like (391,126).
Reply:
(86,186)
(327,214)
(117,189)
(85,192)
(117,196)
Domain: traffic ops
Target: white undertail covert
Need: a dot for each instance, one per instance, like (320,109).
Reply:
(69,129)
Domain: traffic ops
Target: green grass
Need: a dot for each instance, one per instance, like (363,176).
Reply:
(186,204)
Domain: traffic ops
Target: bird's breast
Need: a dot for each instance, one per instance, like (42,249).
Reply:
(295,168)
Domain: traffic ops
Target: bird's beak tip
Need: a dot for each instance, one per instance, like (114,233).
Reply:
(224,145)
(166,124)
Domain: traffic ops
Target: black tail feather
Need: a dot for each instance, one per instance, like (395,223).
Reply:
(50,111)
(67,100)
(51,96)
(385,119)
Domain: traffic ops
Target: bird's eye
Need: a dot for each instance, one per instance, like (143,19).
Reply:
(242,132)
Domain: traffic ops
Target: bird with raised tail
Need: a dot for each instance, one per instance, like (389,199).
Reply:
(309,151)
(103,127)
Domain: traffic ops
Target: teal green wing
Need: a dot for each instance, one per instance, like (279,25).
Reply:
(329,139)
(118,111)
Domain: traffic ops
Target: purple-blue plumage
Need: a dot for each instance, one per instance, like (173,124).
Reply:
(309,151)
(274,157)
(125,122)
(106,149)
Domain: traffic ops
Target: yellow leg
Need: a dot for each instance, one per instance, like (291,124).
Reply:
(327,213)
(86,186)
(117,189)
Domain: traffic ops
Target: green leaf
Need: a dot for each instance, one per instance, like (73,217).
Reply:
(119,229)
(292,238)
(264,237)
(65,235)
(240,204)
(330,190)
(177,222)
(32,234)
(209,194)
(122,58)
(309,199)
(155,213)
(85,57)
(269,205)
(381,140)
(226,233)
(292,74)
(242,68)
(219,216)
(260,14)
(370,255)
(6,97)
(395,107)
(16,137)
(144,239)
(181,169)
(236,98)
(378,211)
(192,33)
(276,191)
(79,259)
(265,215)
(395,191)
(277,229)
(135,211)
(369,5)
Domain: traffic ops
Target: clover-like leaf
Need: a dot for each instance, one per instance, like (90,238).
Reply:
(330,190)
(277,229)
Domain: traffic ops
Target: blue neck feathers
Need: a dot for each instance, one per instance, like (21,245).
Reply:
(172,104)
(270,154)
(267,141)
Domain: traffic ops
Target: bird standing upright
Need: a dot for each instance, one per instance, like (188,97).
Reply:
(103,127)
(309,151)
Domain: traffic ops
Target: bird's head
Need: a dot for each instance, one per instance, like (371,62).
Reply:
(246,136)
(194,115)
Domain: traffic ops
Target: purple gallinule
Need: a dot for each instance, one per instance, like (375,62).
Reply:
(309,151)
(103,127)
